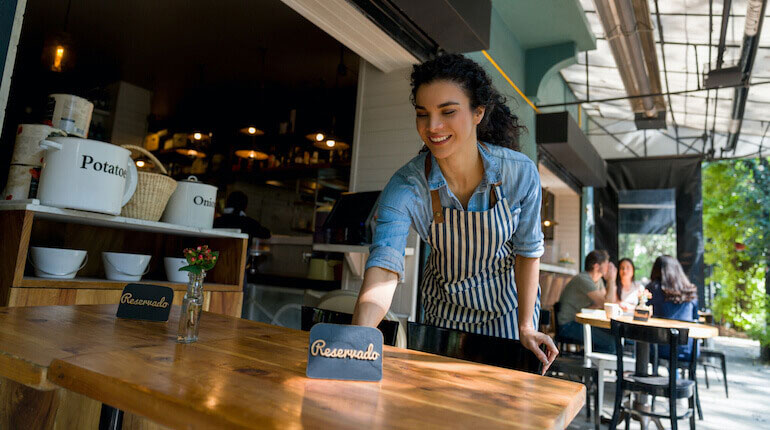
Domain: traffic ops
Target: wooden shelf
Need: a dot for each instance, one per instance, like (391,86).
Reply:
(97,284)
(25,224)
(102,220)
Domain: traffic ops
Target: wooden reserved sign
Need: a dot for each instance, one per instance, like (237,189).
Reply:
(642,314)
(345,352)
(145,302)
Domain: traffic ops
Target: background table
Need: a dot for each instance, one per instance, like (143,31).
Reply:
(697,331)
(242,374)
(599,319)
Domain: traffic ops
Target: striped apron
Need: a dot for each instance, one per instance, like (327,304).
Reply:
(468,283)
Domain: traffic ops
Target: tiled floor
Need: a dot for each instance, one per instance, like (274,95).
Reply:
(749,383)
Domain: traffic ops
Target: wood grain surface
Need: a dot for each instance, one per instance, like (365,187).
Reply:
(242,374)
(697,331)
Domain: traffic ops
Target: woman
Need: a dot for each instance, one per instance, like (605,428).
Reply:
(628,288)
(673,297)
(475,200)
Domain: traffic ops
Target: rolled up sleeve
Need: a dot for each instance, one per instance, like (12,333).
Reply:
(527,240)
(391,229)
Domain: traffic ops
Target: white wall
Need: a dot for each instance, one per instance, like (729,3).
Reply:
(384,139)
(567,230)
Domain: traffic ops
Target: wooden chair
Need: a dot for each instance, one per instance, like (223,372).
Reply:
(657,386)
(313,316)
(479,348)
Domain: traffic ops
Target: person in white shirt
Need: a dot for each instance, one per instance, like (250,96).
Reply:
(627,287)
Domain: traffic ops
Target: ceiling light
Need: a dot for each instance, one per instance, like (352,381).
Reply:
(316,137)
(251,154)
(197,136)
(331,145)
(191,153)
(252,131)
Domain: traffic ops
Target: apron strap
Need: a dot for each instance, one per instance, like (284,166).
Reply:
(435,199)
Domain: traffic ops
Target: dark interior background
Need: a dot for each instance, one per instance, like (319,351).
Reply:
(212,66)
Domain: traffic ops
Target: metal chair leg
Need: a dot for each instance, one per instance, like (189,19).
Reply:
(691,402)
(587,383)
(672,411)
(616,411)
(724,374)
(597,408)
(697,399)
(110,418)
(706,375)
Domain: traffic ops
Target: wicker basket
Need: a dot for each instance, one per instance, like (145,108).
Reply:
(152,190)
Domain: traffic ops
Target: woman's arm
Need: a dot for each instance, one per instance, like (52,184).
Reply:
(527,273)
(375,296)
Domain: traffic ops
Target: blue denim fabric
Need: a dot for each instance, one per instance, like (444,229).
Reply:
(405,202)
(686,311)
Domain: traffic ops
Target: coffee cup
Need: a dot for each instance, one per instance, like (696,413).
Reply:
(612,310)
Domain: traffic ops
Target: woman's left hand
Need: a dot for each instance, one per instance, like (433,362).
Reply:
(533,339)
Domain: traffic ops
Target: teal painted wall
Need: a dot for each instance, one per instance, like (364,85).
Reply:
(507,52)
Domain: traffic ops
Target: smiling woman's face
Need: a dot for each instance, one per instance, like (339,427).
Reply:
(445,120)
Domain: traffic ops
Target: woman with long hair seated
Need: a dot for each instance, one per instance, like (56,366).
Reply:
(673,297)
(628,288)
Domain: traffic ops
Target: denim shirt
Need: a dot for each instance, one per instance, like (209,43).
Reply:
(405,202)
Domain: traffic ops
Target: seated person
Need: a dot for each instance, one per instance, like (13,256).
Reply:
(587,290)
(673,297)
(628,288)
(235,217)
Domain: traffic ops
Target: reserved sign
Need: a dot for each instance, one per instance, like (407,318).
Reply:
(345,352)
(145,302)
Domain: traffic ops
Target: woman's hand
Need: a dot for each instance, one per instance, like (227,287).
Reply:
(532,339)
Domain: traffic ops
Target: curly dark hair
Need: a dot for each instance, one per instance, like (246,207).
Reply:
(669,275)
(499,126)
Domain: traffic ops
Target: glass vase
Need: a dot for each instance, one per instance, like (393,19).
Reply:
(189,320)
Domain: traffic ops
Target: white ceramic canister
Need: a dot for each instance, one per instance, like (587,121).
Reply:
(86,174)
(27,148)
(23,181)
(192,204)
(70,113)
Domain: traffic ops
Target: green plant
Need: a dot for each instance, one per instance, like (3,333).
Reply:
(200,259)
(736,225)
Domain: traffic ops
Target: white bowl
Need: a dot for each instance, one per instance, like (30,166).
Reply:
(119,266)
(55,262)
(172,265)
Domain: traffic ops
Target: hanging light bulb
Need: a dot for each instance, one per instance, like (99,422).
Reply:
(319,137)
(140,163)
(252,131)
(197,136)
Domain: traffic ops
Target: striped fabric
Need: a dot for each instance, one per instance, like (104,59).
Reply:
(468,283)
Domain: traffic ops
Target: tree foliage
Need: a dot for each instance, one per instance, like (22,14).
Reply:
(736,225)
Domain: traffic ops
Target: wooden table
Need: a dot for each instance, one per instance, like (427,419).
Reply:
(697,331)
(599,319)
(242,374)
